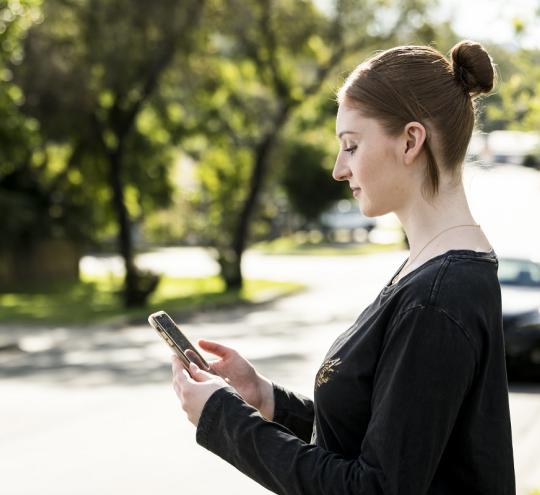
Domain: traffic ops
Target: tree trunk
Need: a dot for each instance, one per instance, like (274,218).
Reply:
(125,242)
(230,259)
(230,263)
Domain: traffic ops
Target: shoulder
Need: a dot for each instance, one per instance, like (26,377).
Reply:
(462,285)
(467,281)
(456,277)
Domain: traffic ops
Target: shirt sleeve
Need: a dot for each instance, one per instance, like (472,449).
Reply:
(294,411)
(426,366)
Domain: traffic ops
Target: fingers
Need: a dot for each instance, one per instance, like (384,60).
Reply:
(192,356)
(214,348)
(177,365)
(180,374)
(177,389)
(198,374)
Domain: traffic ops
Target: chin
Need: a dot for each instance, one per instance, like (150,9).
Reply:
(370,212)
(373,212)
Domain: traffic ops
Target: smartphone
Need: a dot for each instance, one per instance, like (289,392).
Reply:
(175,338)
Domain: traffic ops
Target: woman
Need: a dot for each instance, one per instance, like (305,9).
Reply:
(413,397)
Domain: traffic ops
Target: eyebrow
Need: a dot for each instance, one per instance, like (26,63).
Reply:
(346,132)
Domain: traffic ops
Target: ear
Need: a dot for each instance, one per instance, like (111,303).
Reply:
(414,135)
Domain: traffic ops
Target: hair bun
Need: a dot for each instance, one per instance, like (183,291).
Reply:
(472,67)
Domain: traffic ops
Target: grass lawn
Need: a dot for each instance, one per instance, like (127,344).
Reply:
(291,246)
(94,300)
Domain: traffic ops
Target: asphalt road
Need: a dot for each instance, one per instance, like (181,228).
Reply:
(91,410)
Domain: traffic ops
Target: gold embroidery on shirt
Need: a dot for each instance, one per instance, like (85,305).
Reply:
(328,367)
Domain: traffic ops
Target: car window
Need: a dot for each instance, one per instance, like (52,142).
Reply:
(519,272)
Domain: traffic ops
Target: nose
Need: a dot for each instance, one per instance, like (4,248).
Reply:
(341,171)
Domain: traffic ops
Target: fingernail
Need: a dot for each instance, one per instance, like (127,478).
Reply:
(193,366)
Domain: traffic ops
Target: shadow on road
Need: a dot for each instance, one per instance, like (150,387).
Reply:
(110,364)
(92,356)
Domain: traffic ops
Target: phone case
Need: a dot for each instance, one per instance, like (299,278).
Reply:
(179,343)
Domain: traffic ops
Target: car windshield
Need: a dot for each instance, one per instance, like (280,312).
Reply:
(519,272)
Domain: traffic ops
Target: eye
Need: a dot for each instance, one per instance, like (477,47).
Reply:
(351,150)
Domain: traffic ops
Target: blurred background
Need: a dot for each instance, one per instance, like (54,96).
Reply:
(178,156)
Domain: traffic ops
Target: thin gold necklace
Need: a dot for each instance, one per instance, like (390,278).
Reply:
(409,261)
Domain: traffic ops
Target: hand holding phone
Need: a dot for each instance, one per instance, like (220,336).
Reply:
(177,341)
(234,368)
(254,388)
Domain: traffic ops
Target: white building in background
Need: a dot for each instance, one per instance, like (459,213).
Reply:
(503,146)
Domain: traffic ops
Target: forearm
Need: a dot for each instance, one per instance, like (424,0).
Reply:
(294,411)
(273,456)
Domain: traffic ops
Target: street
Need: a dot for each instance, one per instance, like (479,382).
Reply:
(92,410)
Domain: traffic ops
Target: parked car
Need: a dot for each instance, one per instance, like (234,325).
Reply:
(520,293)
(345,215)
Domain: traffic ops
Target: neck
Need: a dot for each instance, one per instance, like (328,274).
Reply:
(422,221)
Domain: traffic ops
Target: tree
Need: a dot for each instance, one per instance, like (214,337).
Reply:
(29,209)
(266,61)
(516,105)
(91,71)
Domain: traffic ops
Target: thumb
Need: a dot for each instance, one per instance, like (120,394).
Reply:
(198,374)
(214,348)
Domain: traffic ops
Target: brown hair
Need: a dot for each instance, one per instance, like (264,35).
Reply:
(417,83)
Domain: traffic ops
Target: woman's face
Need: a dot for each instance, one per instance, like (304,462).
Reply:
(370,160)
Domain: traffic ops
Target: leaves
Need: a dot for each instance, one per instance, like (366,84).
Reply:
(516,102)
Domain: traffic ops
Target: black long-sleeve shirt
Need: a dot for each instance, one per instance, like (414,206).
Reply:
(411,399)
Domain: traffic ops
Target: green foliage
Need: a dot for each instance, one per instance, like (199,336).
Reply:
(223,175)
(247,94)
(29,210)
(94,299)
(166,226)
(17,132)
(75,78)
(84,65)
(515,104)
(30,213)
(300,244)
(309,184)
(262,61)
